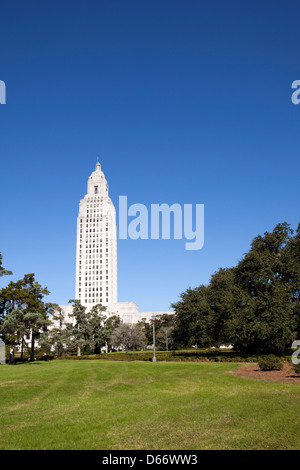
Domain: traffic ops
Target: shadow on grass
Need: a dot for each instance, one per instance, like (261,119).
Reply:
(26,363)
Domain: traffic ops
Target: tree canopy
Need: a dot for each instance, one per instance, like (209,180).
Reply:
(3,271)
(254,305)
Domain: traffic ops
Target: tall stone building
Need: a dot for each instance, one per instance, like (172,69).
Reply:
(96,255)
(96,251)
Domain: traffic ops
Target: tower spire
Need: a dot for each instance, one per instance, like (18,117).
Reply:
(96,206)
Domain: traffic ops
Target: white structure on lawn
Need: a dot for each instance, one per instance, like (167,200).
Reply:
(96,252)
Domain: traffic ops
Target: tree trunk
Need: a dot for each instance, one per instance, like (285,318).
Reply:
(32,347)
(78,350)
(11,355)
(22,350)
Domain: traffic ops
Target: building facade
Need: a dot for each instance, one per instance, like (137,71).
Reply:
(96,249)
(96,255)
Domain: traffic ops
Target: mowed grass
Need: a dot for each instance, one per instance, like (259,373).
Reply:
(140,405)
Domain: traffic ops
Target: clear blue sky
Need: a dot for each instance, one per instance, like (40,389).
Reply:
(183,101)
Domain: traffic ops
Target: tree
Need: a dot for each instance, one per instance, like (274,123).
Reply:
(44,343)
(264,321)
(224,298)
(89,331)
(3,272)
(80,329)
(12,329)
(35,310)
(22,306)
(96,328)
(37,323)
(111,323)
(128,336)
(164,326)
(59,335)
(291,274)
(192,316)
(147,329)
(255,305)
(164,339)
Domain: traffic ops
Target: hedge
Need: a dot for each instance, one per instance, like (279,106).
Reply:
(172,357)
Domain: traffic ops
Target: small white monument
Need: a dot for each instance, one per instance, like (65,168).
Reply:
(2,352)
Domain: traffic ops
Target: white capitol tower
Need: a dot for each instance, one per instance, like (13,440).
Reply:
(96,255)
(96,251)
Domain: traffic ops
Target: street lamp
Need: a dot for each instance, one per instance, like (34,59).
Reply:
(154,358)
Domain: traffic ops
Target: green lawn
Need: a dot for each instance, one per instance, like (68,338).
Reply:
(141,405)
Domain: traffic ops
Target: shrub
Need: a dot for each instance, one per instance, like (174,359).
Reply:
(270,362)
(296,368)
